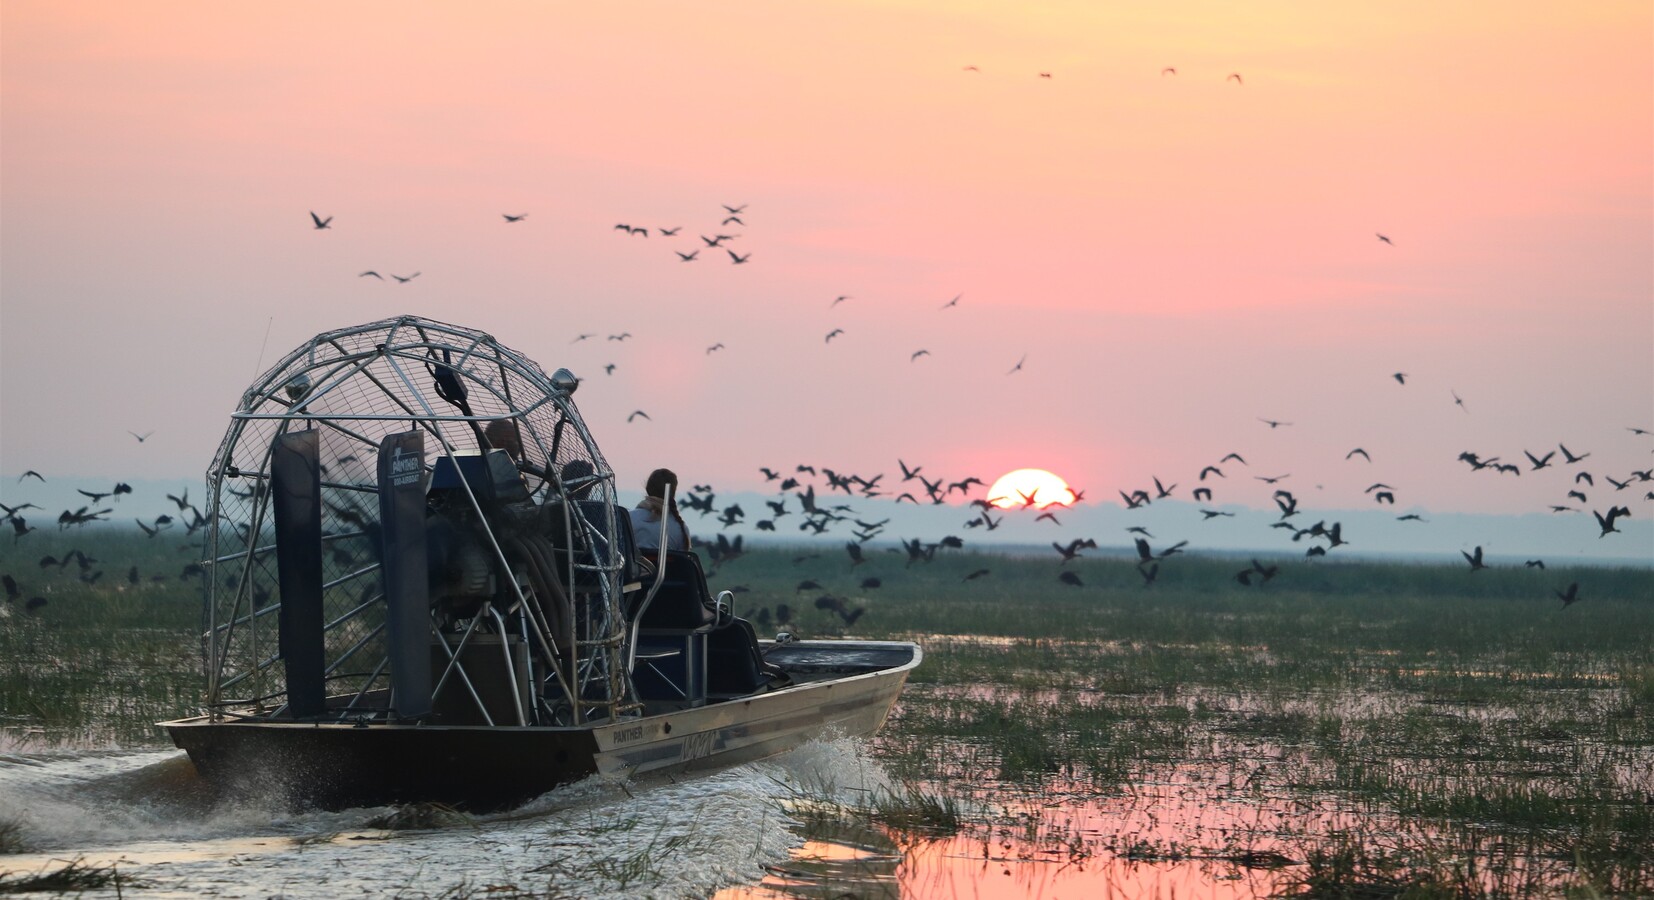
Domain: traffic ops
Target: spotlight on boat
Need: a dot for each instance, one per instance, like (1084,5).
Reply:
(297,388)
(564,380)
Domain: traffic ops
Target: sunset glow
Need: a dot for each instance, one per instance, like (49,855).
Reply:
(1035,488)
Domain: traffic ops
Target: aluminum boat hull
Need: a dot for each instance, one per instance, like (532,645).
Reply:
(840,688)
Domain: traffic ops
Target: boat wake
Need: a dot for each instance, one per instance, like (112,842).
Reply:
(148,815)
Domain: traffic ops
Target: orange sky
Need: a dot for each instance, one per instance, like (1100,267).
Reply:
(1178,255)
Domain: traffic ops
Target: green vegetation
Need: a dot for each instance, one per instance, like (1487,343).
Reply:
(1490,740)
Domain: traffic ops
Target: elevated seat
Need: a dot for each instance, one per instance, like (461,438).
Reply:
(682,603)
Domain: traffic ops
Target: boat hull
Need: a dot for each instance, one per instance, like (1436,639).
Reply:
(337,765)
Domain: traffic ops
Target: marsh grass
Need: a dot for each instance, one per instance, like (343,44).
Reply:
(1513,736)
(74,876)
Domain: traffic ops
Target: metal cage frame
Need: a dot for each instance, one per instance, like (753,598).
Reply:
(355,386)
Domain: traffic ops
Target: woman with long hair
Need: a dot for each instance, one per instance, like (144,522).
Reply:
(647,516)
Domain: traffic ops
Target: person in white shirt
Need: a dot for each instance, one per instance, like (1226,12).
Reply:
(646,518)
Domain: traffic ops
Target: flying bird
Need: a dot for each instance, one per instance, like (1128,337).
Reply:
(1237,78)
(1570,595)
(953,302)
(735,219)
(370,272)
(833,334)
(1386,240)
(736,258)
(511,218)
(321,222)
(717,346)
(1569,456)
(1474,560)
(404,279)
(1400,377)
(1070,579)
(972,69)
(687,257)
(1018,367)
(1607,522)
(1273,423)
(917,354)
(637,414)
(141,437)
(1168,71)
(1459,401)
(1360,451)
(735,210)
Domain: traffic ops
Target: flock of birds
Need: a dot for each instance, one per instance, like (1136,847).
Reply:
(189,519)
(817,513)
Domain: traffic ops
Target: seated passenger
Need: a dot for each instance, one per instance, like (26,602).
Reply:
(504,434)
(646,518)
(577,478)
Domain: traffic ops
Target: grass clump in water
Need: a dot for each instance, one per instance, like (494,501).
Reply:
(74,876)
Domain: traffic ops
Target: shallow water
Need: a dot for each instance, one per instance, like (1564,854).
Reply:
(146,814)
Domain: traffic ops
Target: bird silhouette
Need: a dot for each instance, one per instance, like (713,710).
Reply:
(687,257)
(1234,456)
(1070,579)
(1607,522)
(833,334)
(717,346)
(621,336)
(1268,479)
(1236,76)
(979,573)
(1475,559)
(1386,240)
(735,210)
(917,354)
(1203,493)
(1535,564)
(669,232)
(953,302)
(1570,595)
(1360,451)
(1400,377)
(638,414)
(30,473)
(837,300)
(1018,367)
(735,219)
(509,218)
(401,279)
(1168,71)
(370,272)
(141,437)
(1459,401)
(1273,423)
(736,258)
(1539,462)
(1149,573)
(1569,456)
(321,222)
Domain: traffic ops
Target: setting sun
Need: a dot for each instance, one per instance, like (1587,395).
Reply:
(1029,487)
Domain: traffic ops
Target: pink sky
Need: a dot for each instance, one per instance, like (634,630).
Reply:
(1177,255)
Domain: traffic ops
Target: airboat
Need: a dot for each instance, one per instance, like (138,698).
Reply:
(418,586)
